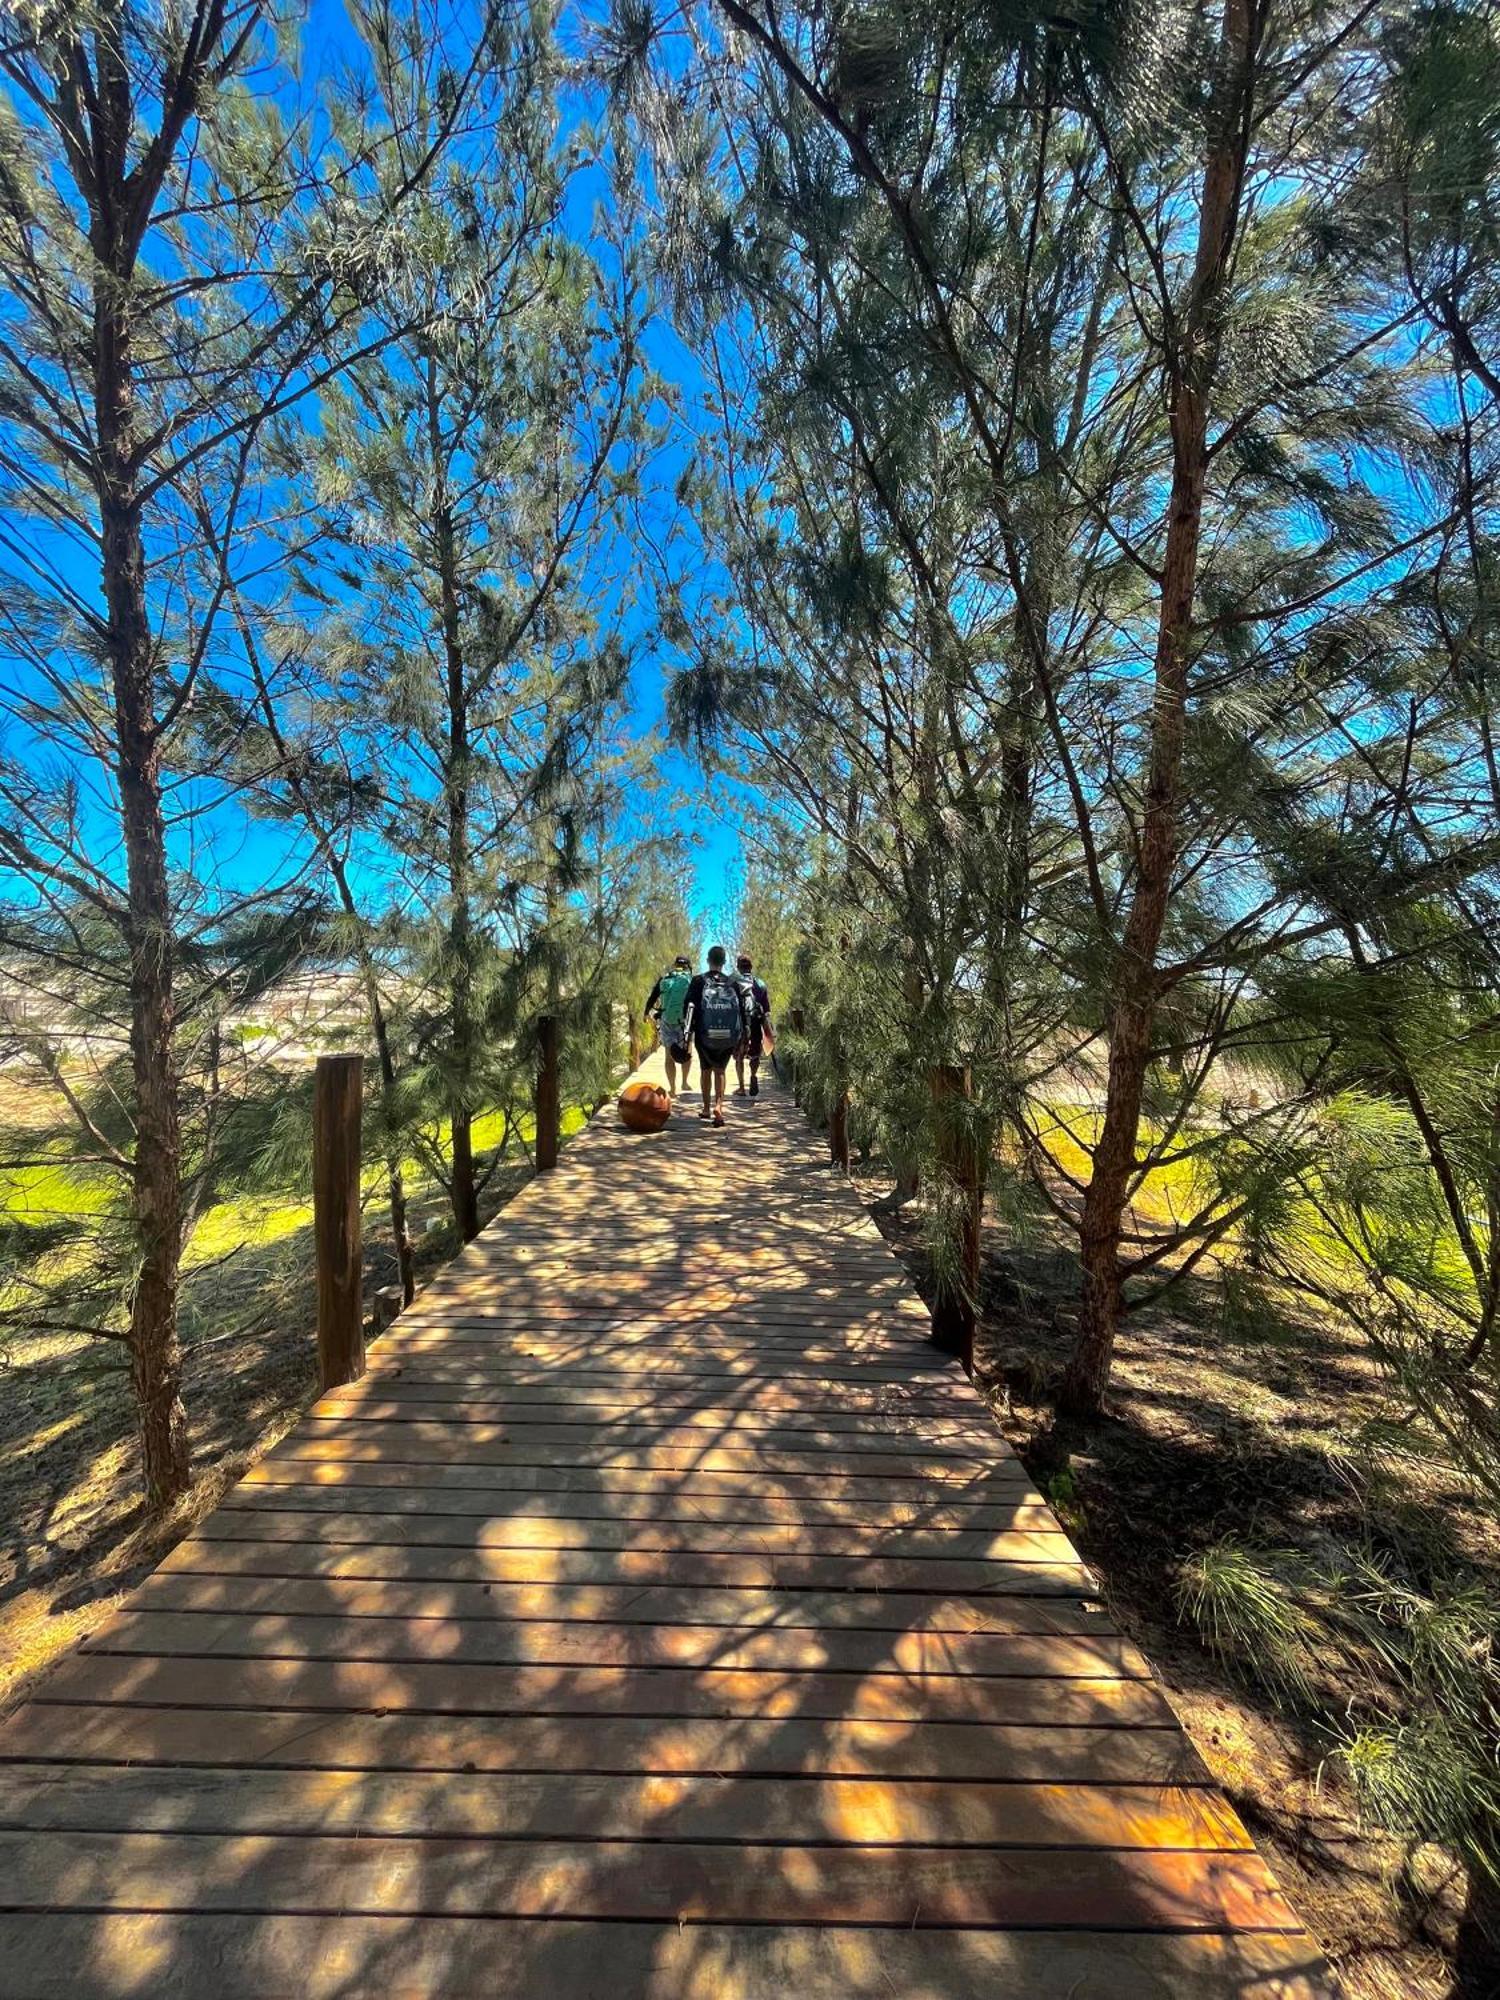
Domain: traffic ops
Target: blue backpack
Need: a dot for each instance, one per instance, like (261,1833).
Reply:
(721,1020)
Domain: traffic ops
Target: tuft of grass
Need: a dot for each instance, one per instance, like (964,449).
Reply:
(1399,1678)
(1426,1780)
(1243,1609)
(1064,1498)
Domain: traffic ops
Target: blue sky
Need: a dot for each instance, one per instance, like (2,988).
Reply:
(704,835)
(243,853)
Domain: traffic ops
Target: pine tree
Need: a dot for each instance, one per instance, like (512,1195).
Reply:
(185,257)
(464,604)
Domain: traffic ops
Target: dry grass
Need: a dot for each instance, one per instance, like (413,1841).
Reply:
(1250,1424)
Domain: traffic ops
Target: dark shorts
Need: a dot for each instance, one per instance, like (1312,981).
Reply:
(711,1058)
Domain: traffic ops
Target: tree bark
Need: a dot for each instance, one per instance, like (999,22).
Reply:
(838,1129)
(338,1086)
(379,1025)
(406,1264)
(463,1192)
(548,1094)
(156,1191)
(1193,365)
(955,1309)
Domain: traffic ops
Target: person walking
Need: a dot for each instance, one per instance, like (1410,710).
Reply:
(716,1023)
(755,1005)
(666,1005)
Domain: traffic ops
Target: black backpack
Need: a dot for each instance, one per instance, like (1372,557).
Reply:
(721,1018)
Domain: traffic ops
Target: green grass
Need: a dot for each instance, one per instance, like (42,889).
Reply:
(44,1193)
(1173,1193)
(39,1193)
(257,1221)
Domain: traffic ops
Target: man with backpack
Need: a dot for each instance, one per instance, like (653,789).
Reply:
(666,1004)
(716,1022)
(755,1005)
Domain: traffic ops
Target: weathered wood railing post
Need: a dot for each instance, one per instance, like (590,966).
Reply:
(548,1102)
(956,1305)
(338,1095)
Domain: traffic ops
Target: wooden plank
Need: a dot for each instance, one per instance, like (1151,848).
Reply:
(736,1360)
(890,1611)
(690,1283)
(840,1811)
(369,1547)
(448,1437)
(778,1333)
(542,1642)
(644,1882)
(676,1299)
(603,1745)
(324,1957)
(761,1407)
(1050,1551)
(777,1400)
(743,1503)
(726,1260)
(967,1473)
(563,1315)
(473,1362)
(663,1691)
(1001,1753)
(320,1486)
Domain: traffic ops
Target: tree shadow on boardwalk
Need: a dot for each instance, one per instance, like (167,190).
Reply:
(734,1694)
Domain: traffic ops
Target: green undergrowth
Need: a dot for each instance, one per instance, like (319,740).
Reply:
(1393,1670)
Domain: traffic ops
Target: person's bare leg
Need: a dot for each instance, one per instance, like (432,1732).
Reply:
(719,1076)
(671,1075)
(706,1078)
(739,1070)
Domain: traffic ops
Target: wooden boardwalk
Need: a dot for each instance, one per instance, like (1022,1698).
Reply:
(661,1616)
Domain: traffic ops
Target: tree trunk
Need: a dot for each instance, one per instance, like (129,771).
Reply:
(908,1165)
(955,1309)
(838,1129)
(395,1178)
(338,1094)
(463,1188)
(548,1094)
(1136,985)
(379,1026)
(156,1193)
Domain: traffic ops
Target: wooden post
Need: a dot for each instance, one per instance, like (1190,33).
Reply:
(547,1101)
(338,1094)
(956,1305)
(838,1131)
